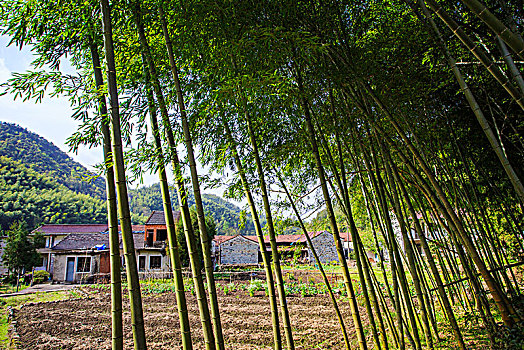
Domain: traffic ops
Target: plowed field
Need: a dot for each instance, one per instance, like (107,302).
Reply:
(86,324)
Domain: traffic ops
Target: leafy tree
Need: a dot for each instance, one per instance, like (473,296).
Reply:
(211,231)
(20,248)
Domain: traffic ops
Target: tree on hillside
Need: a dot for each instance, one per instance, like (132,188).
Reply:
(20,250)
(211,231)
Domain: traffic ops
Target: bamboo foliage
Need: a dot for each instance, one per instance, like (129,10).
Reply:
(346,102)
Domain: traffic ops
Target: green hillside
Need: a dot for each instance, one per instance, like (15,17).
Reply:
(35,198)
(42,184)
(40,155)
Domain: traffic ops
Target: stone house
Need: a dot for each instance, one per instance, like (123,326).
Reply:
(236,250)
(240,249)
(324,246)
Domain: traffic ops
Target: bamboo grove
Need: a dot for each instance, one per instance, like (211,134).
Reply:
(415,107)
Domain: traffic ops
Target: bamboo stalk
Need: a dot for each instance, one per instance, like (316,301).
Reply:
(174,255)
(135,297)
(331,214)
(318,262)
(203,307)
(117,336)
(482,12)
(512,175)
(204,237)
(260,236)
(272,236)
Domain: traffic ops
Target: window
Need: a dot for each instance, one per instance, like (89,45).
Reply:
(141,263)
(161,235)
(155,262)
(83,264)
(149,238)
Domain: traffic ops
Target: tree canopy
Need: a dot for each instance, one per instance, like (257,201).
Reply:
(402,117)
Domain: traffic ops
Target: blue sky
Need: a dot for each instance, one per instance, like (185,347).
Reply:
(50,119)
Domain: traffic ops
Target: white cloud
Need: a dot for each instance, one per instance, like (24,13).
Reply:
(5,73)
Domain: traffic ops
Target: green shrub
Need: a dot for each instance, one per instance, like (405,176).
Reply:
(40,276)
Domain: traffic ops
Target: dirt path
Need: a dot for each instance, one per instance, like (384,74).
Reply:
(41,288)
(85,324)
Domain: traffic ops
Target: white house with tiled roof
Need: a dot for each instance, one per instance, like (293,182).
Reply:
(55,233)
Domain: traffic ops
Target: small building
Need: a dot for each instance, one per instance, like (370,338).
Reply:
(155,227)
(82,257)
(152,258)
(236,250)
(324,245)
(55,233)
(79,256)
(152,261)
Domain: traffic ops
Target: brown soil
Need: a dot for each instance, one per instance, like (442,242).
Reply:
(86,324)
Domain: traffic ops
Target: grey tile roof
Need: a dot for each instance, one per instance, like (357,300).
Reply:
(68,228)
(75,241)
(157,217)
(80,241)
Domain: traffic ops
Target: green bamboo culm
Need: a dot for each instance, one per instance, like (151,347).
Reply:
(478,52)
(135,297)
(510,38)
(346,209)
(271,230)
(204,237)
(318,262)
(179,183)
(507,311)
(495,144)
(117,335)
(174,255)
(277,339)
(332,220)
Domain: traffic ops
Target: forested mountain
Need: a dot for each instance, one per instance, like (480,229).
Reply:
(42,184)
(26,195)
(40,155)
(227,216)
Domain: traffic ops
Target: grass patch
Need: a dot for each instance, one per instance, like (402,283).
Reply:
(7,288)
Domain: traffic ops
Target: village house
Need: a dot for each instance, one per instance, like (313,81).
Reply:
(55,233)
(236,250)
(152,258)
(80,256)
(244,250)
(324,245)
(79,253)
